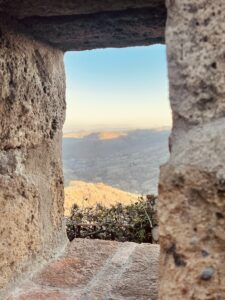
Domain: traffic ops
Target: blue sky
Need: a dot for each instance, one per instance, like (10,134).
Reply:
(117,89)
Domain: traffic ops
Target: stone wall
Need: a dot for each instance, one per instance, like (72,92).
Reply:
(192,183)
(32,105)
(32,111)
(82,25)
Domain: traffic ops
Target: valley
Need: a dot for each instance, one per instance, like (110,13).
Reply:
(126,160)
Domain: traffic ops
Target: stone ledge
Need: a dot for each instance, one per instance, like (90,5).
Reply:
(96,269)
(28,8)
(90,26)
(133,27)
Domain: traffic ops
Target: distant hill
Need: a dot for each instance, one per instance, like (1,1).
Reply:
(89,194)
(127,160)
(103,135)
(76,135)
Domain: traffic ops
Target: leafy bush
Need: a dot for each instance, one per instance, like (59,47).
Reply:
(136,222)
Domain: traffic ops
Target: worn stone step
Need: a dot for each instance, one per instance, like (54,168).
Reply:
(96,270)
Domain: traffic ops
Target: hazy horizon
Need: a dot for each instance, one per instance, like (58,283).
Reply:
(109,129)
(117,89)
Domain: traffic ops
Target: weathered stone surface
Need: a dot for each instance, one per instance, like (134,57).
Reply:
(113,29)
(192,197)
(32,105)
(42,294)
(80,262)
(79,25)
(192,210)
(143,259)
(28,8)
(196,37)
(32,91)
(192,185)
(96,270)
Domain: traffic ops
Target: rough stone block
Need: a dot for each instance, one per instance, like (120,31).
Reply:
(195,36)
(192,216)
(32,106)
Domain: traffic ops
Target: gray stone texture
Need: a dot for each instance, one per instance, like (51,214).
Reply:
(28,8)
(82,25)
(134,27)
(32,107)
(192,183)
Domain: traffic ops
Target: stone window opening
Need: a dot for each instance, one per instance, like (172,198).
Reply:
(89,148)
(33,39)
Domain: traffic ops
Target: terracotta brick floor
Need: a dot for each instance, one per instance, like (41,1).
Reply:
(96,270)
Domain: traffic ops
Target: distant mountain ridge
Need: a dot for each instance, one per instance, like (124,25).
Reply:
(107,134)
(127,160)
(101,135)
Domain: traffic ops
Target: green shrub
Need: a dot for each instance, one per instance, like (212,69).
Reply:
(135,222)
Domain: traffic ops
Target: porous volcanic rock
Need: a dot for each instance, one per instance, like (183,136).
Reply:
(32,106)
(192,183)
(29,8)
(79,25)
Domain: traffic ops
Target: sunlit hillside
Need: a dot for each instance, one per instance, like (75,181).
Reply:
(76,135)
(103,135)
(110,135)
(88,194)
